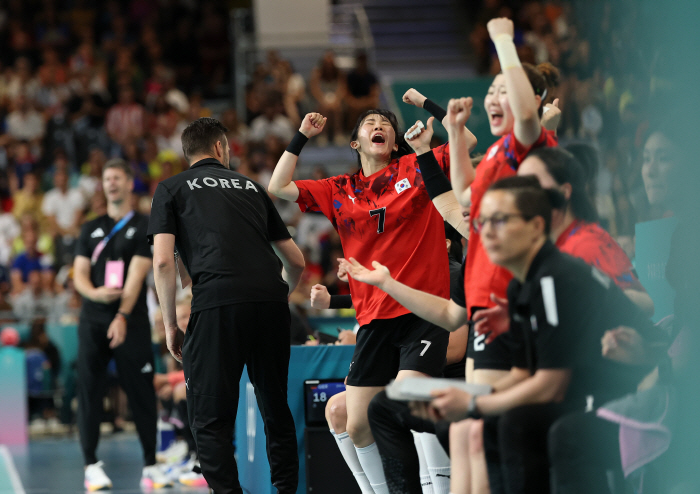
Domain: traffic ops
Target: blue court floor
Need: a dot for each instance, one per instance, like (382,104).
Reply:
(56,466)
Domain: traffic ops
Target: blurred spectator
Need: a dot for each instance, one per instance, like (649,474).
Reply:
(33,300)
(328,87)
(25,123)
(29,261)
(657,165)
(21,80)
(363,90)
(91,173)
(27,200)
(272,121)
(132,155)
(125,119)
(63,207)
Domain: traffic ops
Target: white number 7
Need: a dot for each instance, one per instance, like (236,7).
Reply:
(427,345)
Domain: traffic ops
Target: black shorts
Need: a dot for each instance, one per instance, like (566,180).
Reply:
(386,346)
(495,355)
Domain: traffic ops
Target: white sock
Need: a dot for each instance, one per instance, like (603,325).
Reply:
(372,465)
(426,482)
(438,463)
(347,449)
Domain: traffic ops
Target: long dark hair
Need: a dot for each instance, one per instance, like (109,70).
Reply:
(564,169)
(404,148)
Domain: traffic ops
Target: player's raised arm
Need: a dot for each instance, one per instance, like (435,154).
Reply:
(281,184)
(461,170)
(523,102)
(437,310)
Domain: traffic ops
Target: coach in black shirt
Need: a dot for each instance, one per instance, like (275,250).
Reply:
(229,236)
(112,251)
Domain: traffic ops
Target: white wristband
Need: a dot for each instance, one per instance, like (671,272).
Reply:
(507,54)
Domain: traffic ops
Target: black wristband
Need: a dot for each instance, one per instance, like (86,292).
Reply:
(436,182)
(123,314)
(434,109)
(340,302)
(297,143)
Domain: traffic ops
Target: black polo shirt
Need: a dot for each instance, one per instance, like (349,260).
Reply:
(130,241)
(223,224)
(558,317)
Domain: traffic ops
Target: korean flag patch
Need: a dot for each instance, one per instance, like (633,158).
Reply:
(402,185)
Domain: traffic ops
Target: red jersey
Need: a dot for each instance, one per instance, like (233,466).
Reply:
(386,217)
(481,277)
(591,243)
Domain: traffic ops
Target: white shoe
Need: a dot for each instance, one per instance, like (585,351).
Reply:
(154,478)
(174,470)
(176,452)
(96,479)
(193,479)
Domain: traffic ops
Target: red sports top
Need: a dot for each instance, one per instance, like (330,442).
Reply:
(386,217)
(481,277)
(591,243)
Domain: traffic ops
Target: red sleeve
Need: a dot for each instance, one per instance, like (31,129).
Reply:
(316,195)
(442,155)
(610,259)
(547,138)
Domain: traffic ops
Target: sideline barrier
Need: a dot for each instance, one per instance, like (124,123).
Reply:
(306,362)
(13,396)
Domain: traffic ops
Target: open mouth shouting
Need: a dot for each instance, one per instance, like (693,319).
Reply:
(378,138)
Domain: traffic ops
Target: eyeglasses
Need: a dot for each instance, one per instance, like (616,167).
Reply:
(498,221)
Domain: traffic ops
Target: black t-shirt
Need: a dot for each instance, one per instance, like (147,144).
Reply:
(223,224)
(360,85)
(130,241)
(558,317)
(456,285)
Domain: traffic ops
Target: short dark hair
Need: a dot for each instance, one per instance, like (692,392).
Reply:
(119,164)
(201,136)
(530,198)
(565,169)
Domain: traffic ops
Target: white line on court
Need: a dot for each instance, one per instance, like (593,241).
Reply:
(11,470)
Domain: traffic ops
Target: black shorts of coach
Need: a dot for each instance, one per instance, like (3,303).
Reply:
(494,356)
(386,346)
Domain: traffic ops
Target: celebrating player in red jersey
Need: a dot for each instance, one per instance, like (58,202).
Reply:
(382,212)
(514,105)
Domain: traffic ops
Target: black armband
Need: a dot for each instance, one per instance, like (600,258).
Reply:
(340,302)
(297,143)
(436,182)
(434,109)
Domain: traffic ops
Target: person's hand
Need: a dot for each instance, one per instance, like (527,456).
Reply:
(458,112)
(106,295)
(420,140)
(449,404)
(320,298)
(312,125)
(342,272)
(499,26)
(313,342)
(347,337)
(413,97)
(493,321)
(376,277)
(551,115)
(174,338)
(117,331)
(623,344)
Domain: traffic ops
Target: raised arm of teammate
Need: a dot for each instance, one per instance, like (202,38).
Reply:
(281,184)
(436,183)
(437,310)
(521,96)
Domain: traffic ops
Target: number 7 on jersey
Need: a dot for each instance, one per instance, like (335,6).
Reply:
(381,212)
